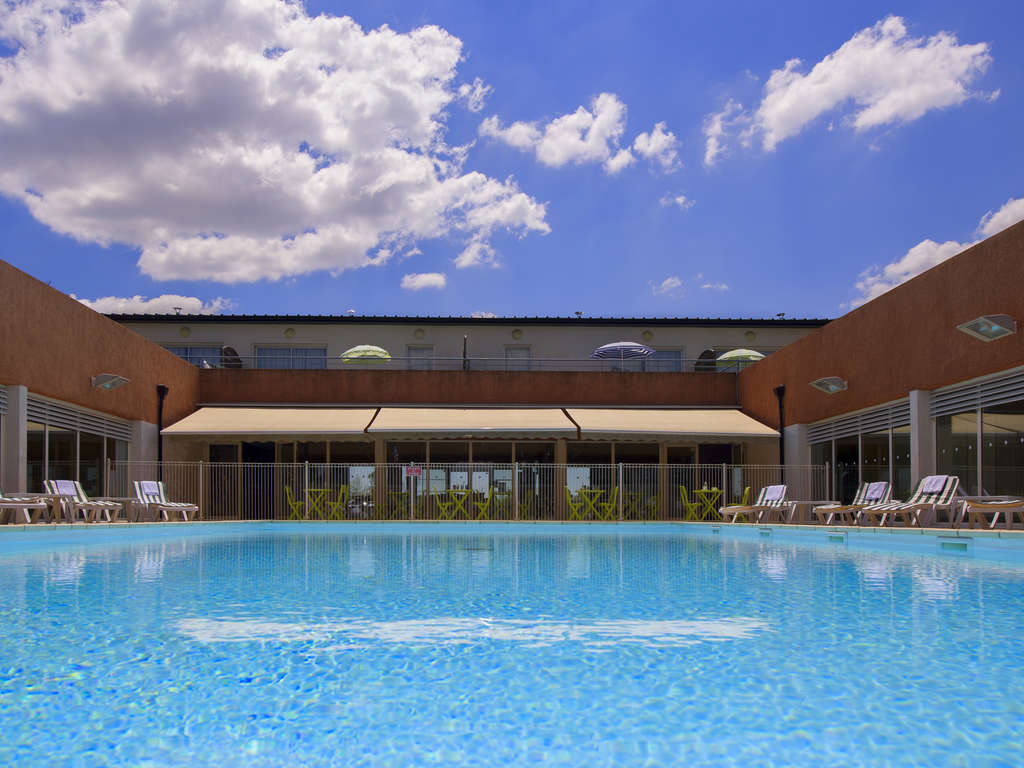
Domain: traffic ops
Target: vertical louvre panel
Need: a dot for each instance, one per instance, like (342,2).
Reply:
(3,401)
(877,419)
(970,397)
(57,414)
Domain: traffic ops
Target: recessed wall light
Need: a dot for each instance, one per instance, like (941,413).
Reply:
(108,380)
(989,327)
(830,384)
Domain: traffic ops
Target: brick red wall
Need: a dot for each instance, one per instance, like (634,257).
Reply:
(905,339)
(54,345)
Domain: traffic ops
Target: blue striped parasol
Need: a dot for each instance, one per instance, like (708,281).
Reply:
(622,350)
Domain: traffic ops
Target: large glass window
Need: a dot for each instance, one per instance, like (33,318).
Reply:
(874,457)
(292,358)
(585,452)
(36,459)
(1002,449)
(90,463)
(665,360)
(517,358)
(956,448)
(901,477)
(421,358)
(61,454)
(847,474)
(197,355)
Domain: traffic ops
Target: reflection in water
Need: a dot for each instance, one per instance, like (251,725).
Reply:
(149,564)
(461,631)
(935,582)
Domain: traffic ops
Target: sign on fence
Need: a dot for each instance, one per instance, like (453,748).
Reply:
(414,471)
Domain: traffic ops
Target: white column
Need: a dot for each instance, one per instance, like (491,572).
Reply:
(15,448)
(798,454)
(922,436)
(143,447)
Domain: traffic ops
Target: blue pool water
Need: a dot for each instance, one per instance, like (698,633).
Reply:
(506,645)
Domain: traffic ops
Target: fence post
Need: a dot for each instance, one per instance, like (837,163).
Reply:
(725,485)
(305,488)
(828,480)
(411,484)
(199,501)
(515,490)
(622,491)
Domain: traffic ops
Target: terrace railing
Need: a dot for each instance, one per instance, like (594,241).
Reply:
(463,491)
(650,365)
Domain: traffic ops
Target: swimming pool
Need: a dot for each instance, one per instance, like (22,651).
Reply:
(402,644)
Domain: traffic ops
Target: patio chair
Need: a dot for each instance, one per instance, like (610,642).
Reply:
(979,511)
(770,501)
(689,507)
(609,510)
(296,507)
(525,504)
(575,507)
(74,500)
(336,509)
(153,497)
(32,507)
(867,493)
(933,492)
(483,508)
(444,505)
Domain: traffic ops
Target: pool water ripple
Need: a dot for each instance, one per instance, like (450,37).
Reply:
(513,645)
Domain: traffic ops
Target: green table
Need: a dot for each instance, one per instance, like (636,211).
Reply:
(459,496)
(590,497)
(708,498)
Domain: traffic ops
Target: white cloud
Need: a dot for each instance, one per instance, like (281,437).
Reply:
(880,76)
(714,287)
(875,281)
(476,254)
(682,202)
(716,130)
(588,135)
(417,282)
(481,313)
(658,146)
(240,140)
(671,285)
(168,304)
(475,95)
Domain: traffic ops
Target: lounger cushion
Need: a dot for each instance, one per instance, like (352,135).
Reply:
(876,491)
(934,484)
(775,492)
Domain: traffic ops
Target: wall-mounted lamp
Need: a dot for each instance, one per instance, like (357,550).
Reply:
(830,384)
(989,327)
(108,380)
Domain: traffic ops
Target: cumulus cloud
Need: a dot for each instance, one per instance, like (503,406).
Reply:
(475,94)
(682,202)
(589,135)
(875,281)
(714,287)
(659,146)
(481,313)
(476,254)
(671,285)
(240,140)
(417,282)
(880,76)
(167,304)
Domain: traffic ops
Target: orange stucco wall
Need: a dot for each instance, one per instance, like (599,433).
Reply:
(54,345)
(467,387)
(904,340)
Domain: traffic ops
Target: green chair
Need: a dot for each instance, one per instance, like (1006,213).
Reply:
(525,505)
(444,505)
(610,509)
(575,507)
(297,507)
(746,496)
(336,508)
(483,508)
(689,507)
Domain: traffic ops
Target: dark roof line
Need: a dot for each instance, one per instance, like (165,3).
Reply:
(462,320)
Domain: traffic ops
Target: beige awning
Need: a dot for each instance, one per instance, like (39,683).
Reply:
(273,421)
(663,423)
(473,422)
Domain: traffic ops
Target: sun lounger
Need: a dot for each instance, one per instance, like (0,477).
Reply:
(74,500)
(977,511)
(868,493)
(31,507)
(153,497)
(771,502)
(933,492)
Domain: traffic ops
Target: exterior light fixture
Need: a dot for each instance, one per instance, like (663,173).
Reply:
(830,384)
(989,327)
(108,380)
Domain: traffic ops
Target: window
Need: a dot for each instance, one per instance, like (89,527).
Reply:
(292,358)
(1002,449)
(421,357)
(707,361)
(956,446)
(665,360)
(197,355)
(517,358)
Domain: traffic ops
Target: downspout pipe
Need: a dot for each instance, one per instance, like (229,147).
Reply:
(780,394)
(161,394)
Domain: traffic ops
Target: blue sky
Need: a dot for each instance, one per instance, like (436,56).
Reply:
(266,159)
